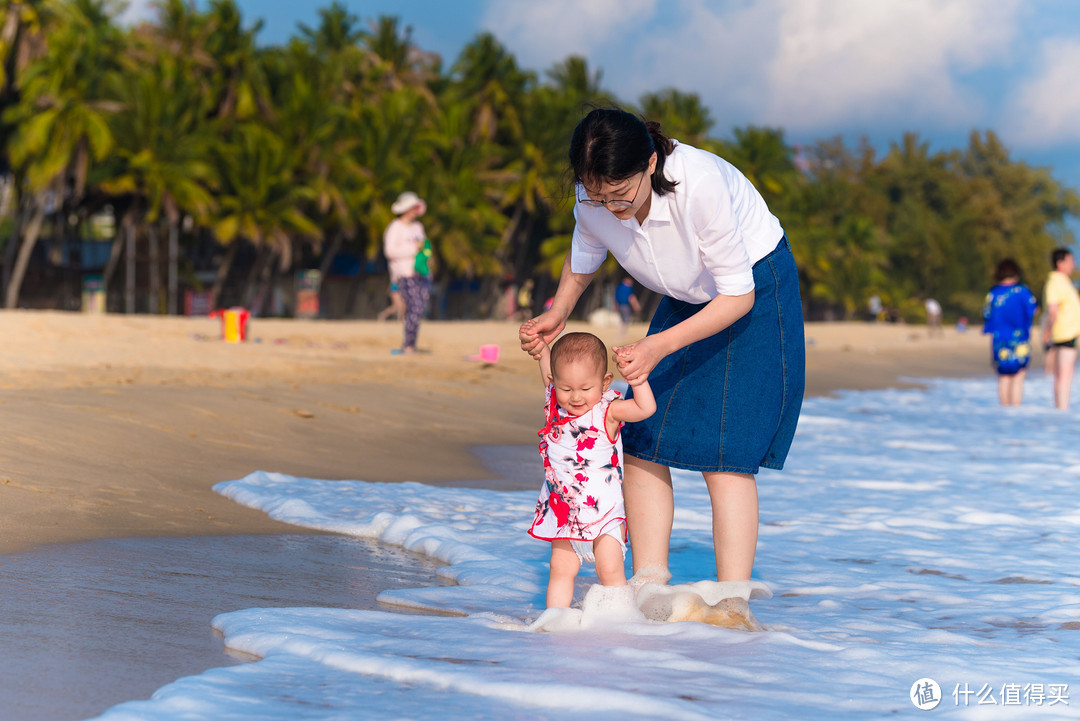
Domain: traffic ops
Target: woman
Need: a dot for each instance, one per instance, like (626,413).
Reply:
(1007,315)
(724,353)
(1061,329)
(408,253)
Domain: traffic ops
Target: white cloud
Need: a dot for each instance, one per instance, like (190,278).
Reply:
(543,33)
(1046,109)
(810,66)
(137,11)
(891,60)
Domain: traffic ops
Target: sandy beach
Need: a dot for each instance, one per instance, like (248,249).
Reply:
(118,426)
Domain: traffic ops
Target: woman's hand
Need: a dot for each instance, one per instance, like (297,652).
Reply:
(541,330)
(636,360)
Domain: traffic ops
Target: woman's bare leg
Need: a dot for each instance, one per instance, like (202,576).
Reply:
(735,523)
(1005,390)
(1016,393)
(1064,365)
(650,507)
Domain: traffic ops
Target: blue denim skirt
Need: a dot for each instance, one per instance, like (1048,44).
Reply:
(730,402)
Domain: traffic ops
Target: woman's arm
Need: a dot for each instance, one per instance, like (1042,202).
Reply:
(637,359)
(547,326)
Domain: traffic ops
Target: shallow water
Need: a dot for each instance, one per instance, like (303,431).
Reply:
(81,624)
(89,625)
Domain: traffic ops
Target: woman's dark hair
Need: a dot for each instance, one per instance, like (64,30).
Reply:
(610,144)
(1006,269)
(1059,255)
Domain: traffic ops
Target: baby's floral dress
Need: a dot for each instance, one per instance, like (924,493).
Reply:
(582,494)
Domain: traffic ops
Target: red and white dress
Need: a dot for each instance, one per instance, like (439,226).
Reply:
(582,498)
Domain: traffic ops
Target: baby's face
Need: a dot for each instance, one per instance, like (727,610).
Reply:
(579,385)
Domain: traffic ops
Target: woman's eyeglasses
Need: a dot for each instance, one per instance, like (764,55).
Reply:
(616,205)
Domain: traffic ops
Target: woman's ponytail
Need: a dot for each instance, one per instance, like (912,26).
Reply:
(664,146)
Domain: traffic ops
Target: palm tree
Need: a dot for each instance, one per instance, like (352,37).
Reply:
(259,200)
(237,82)
(338,31)
(312,118)
(490,84)
(22,40)
(161,159)
(766,160)
(62,119)
(682,115)
(398,62)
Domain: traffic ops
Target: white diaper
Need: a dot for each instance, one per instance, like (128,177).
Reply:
(584,549)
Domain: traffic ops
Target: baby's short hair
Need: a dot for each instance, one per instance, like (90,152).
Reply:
(579,346)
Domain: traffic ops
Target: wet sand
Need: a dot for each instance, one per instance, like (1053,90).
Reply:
(118,427)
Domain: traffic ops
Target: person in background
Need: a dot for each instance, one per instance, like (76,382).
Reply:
(397,303)
(875,307)
(408,253)
(1062,328)
(933,318)
(1007,316)
(724,356)
(626,303)
(525,300)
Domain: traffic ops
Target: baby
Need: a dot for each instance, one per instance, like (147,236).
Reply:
(580,510)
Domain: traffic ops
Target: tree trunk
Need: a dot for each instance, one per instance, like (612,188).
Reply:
(129,271)
(223,273)
(262,257)
(6,194)
(266,277)
(327,261)
(505,250)
(331,251)
(116,250)
(26,249)
(174,260)
(155,271)
(12,246)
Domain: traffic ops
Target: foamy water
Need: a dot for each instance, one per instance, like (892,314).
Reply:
(916,534)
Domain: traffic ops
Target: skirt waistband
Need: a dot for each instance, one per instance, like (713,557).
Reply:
(780,247)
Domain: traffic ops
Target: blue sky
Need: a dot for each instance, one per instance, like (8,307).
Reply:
(816,68)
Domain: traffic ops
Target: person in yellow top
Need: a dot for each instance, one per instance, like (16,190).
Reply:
(1062,324)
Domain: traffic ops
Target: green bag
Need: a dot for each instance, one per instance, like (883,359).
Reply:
(423,259)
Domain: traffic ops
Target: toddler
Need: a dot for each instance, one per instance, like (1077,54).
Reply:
(580,510)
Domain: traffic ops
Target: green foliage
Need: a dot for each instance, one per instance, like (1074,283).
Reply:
(283,146)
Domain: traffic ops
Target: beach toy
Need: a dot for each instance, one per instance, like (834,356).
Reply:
(233,324)
(488,354)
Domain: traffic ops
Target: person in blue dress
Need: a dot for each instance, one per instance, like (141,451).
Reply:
(1007,316)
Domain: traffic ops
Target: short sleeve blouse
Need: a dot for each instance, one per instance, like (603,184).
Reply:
(700,241)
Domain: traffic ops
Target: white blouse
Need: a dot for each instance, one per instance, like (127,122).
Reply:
(700,241)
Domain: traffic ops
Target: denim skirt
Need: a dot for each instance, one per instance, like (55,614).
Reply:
(730,402)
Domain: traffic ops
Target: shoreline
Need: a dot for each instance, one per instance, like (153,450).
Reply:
(121,424)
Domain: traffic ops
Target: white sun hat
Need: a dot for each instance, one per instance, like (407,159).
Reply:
(406,202)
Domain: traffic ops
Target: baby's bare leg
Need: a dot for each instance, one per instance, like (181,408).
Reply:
(564,569)
(610,566)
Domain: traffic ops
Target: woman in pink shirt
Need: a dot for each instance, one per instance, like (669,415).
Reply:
(403,241)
